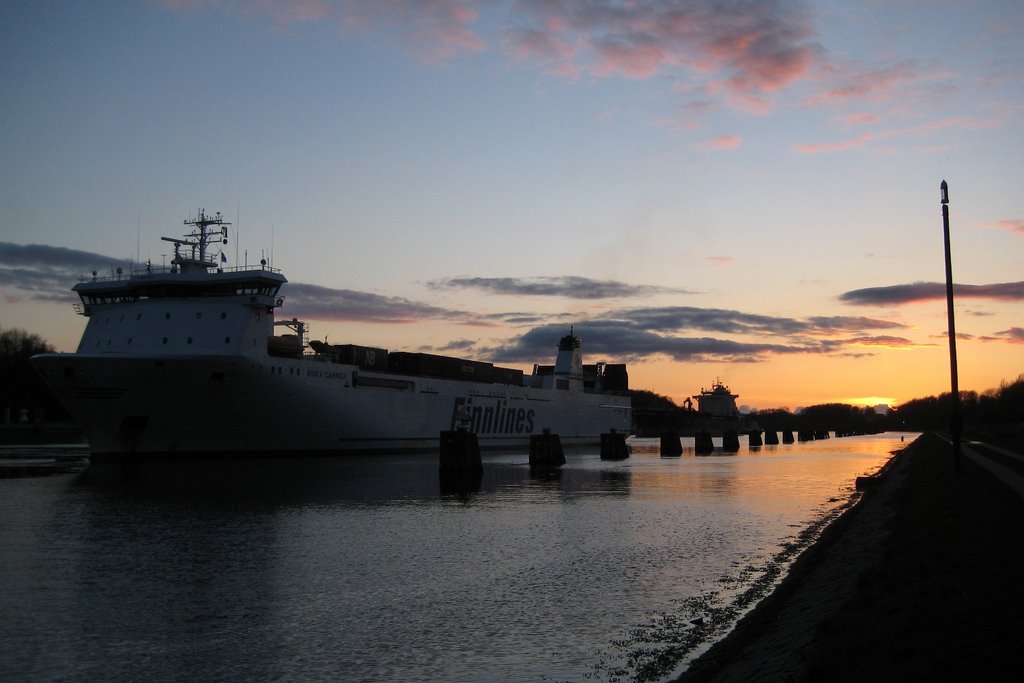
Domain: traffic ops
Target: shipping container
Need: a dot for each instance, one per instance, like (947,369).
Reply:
(365,357)
(507,376)
(616,378)
(447,367)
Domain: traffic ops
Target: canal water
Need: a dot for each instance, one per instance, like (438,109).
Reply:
(368,569)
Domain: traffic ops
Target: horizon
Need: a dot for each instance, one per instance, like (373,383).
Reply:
(750,195)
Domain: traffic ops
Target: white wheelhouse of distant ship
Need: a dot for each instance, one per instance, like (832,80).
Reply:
(185,361)
(717,401)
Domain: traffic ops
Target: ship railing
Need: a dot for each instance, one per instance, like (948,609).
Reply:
(136,273)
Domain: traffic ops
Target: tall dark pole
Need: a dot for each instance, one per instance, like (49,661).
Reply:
(954,418)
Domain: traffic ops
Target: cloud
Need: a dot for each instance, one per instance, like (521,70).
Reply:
(743,48)
(886,341)
(677,332)
(571,287)
(841,146)
(640,334)
(751,45)
(720,261)
(436,31)
(1013,335)
(859,119)
(678,318)
(843,323)
(895,295)
(849,82)
(926,128)
(722,142)
(348,305)
(47,273)
(623,341)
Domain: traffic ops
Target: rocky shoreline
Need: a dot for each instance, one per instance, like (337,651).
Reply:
(919,580)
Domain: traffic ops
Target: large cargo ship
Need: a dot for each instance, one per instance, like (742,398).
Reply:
(190,360)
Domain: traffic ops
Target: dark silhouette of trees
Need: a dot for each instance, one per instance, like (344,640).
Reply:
(21,387)
(777,420)
(994,415)
(654,413)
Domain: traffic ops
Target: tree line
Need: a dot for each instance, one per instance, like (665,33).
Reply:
(21,387)
(994,415)
(997,413)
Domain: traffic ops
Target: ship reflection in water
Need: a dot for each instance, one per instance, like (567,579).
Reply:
(366,569)
(288,479)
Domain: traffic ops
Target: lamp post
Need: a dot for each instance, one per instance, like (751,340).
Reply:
(954,418)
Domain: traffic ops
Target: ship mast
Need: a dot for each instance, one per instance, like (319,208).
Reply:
(199,260)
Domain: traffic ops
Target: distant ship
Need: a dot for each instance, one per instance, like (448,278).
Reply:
(185,361)
(717,402)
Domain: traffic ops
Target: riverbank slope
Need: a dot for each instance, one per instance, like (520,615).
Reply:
(920,581)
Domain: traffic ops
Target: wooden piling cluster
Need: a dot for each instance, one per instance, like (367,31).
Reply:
(754,438)
(730,441)
(771,438)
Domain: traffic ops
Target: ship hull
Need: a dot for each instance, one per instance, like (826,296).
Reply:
(194,406)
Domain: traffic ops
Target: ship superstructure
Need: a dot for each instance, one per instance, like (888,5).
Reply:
(717,401)
(190,359)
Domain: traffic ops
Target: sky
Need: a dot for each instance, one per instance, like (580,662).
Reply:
(736,189)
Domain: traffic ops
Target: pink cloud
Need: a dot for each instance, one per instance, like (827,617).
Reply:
(850,82)
(720,261)
(922,129)
(752,47)
(627,59)
(964,122)
(859,119)
(841,146)
(723,142)
(748,48)
(749,102)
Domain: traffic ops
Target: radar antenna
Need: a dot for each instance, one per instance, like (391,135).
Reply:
(199,259)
